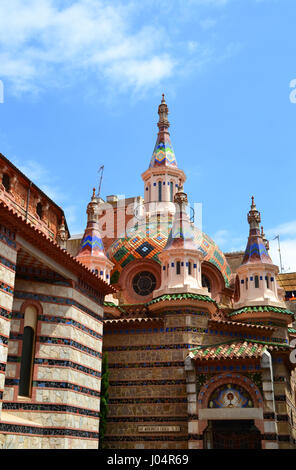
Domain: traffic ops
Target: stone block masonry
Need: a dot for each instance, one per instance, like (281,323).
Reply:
(147,394)
(63,409)
(8,254)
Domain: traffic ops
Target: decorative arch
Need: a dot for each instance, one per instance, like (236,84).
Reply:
(224,379)
(237,292)
(215,277)
(31,311)
(33,303)
(128,274)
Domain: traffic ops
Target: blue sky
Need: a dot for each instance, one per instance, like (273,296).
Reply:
(83,79)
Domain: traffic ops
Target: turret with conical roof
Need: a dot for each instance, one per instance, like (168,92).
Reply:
(163,154)
(181,259)
(258,291)
(256,248)
(163,177)
(91,251)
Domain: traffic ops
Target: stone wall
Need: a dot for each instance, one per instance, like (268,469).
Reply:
(284,394)
(148,396)
(63,410)
(8,255)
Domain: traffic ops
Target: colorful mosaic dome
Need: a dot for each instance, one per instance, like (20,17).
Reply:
(146,241)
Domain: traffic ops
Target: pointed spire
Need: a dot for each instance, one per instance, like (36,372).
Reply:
(163,154)
(256,250)
(91,243)
(163,111)
(266,242)
(181,258)
(62,234)
(92,252)
(181,234)
(254,216)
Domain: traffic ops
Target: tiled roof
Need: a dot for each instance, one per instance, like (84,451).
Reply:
(240,324)
(163,153)
(292,330)
(261,309)
(123,308)
(256,251)
(287,281)
(235,350)
(204,298)
(131,320)
(112,305)
(41,241)
(146,240)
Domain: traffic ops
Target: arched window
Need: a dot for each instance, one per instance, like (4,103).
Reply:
(171,191)
(6,181)
(267,281)
(159,191)
(178,267)
(256,281)
(39,209)
(28,349)
(247,283)
(189,268)
(205,282)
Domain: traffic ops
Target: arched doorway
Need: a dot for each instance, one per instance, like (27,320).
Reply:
(232,434)
(231,408)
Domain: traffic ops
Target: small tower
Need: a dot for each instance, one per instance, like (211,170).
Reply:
(62,234)
(266,242)
(92,252)
(181,259)
(163,177)
(257,273)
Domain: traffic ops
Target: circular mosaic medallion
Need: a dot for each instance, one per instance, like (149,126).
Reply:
(230,396)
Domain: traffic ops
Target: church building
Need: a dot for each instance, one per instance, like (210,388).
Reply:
(199,342)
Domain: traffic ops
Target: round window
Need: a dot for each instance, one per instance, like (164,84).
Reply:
(144,283)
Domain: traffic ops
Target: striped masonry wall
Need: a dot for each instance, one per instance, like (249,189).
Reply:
(63,410)
(8,254)
(147,393)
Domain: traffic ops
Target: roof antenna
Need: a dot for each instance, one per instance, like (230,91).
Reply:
(100,170)
(279,250)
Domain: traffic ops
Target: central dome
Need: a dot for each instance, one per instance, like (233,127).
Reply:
(147,238)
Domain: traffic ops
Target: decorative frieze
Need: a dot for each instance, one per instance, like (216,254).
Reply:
(53,408)
(59,301)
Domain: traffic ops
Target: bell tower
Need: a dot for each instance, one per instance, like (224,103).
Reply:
(163,177)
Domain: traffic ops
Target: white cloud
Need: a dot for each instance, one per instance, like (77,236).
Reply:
(208,23)
(45,180)
(221,237)
(288,228)
(287,234)
(288,254)
(91,35)
(122,43)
